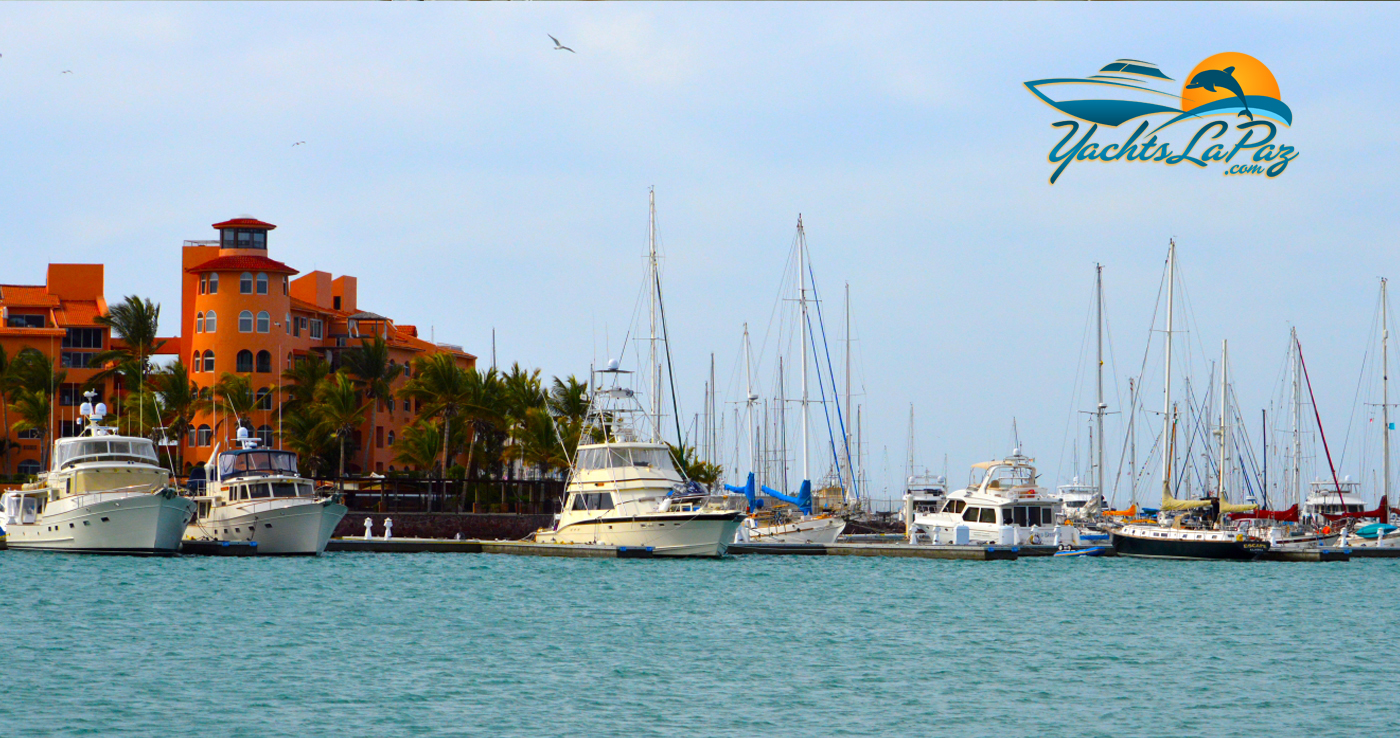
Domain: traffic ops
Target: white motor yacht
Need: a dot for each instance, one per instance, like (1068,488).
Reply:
(627,493)
(1078,499)
(1001,505)
(105,493)
(1327,498)
(254,494)
(923,495)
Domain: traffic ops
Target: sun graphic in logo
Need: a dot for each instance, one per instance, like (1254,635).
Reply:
(1211,80)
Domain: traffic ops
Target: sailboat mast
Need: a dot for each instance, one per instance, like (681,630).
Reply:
(1385,399)
(749,396)
(850,469)
(802,321)
(1224,432)
(1168,448)
(909,468)
(1297,419)
(1100,407)
(655,364)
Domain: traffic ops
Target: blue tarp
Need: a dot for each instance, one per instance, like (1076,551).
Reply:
(803,500)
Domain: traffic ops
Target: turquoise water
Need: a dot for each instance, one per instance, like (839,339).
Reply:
(463,644)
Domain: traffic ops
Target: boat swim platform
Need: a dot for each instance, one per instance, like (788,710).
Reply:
(514,548)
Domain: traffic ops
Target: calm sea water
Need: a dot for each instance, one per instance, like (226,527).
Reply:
(461,644)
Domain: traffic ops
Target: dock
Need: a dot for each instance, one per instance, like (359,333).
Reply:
(897,550)
(1307,554)
(509,548)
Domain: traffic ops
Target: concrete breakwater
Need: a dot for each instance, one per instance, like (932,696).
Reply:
(446,526)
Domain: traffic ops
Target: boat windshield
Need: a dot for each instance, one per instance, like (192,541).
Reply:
(258,463)
(610,457)
(76,450)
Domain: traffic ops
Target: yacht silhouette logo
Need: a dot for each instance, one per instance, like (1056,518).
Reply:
(1227,84)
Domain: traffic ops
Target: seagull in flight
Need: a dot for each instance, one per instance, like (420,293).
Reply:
(558,46)
(66,71)
(298,143)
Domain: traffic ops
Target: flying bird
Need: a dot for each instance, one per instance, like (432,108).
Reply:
(298,143)
(558,46)
(66,71)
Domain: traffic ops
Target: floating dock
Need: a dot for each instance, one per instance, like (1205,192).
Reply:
(513,548)
(1307,554)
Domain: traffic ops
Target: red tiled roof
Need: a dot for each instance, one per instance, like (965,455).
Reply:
(79,312)
(244,223)
(242,264)
(24,295)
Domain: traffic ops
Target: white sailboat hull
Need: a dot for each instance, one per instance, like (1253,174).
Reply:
(289,527)
(806,530)
(111,523)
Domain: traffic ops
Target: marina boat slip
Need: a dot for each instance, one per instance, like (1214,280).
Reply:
(255,495)
(790,522)
(105,493)
(1001,505)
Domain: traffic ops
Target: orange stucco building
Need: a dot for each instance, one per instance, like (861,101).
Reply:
(58,319)
(243,312)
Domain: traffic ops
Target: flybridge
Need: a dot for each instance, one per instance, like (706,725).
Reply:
(1255,137)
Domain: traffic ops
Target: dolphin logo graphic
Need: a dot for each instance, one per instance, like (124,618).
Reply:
(1224,79)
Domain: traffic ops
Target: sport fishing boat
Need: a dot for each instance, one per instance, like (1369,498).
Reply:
(105,493)
(626,492)
(254,494)
(1000,505)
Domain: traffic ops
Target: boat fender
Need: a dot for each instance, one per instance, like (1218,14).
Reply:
(1035,539)
(1239,537)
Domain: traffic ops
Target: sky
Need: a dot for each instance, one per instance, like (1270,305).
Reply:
(476,179)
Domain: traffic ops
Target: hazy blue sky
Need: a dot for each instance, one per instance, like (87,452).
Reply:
(472,178)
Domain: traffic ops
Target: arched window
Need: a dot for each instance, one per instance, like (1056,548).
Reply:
(264,399)
(285,290)
(195,363)
(406,372)
(265,435)
(214,283)
(262,283)
(391,440)
(211,321)
(199,323)
(264,322)
(28,467)
(244,361)
(287,324)
(264,361)
(193,440)
(245,321)
(245,284)
(209,360)
(205,436)
(203,283)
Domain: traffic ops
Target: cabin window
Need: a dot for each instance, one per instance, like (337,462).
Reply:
(954,507)
(989,515)
(289,489)
(971,514)
(259,491)
(593,501)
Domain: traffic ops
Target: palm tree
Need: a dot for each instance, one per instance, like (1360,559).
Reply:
(420,445)
(338,403)
(374,375)
(304,433)
(8,383)
(179,397)
(568,404)
(136,322)
(704,472)
(301,381)
(34,408)
(232,396)
(35,372)
(443,389)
